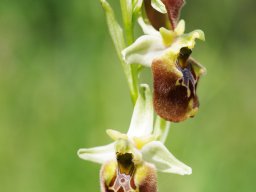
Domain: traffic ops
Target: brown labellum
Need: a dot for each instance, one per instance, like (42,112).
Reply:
(175,85)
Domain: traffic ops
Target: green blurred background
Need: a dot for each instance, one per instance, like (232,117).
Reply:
(61,86)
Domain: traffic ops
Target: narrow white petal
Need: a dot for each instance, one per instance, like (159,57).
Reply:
(115,135)
(155,152)
(158,5)
(144,50)
(146,28)
(142,118)
(99,154)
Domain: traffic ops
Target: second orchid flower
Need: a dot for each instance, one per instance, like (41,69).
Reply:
(175,73)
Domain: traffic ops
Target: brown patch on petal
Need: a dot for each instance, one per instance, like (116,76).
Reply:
(174,93)
(173,8)
(156,18)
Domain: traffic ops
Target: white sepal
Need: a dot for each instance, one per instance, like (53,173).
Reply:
(147,28)
(144,50)
(142,118)
(156,153)
(99,154)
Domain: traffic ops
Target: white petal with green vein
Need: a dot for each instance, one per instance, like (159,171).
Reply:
(142,118)
(144,50)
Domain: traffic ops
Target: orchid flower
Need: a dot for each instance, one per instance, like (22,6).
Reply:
(175,73)
(130,162)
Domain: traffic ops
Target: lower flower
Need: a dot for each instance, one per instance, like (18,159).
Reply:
(129,164)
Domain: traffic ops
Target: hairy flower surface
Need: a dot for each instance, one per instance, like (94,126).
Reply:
(175,73)
(130,162)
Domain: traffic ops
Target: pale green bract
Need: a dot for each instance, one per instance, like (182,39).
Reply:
(155,44)
(145,142)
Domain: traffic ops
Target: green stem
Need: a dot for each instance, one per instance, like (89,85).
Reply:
(127,14)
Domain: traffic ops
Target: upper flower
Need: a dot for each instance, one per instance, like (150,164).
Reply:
(175,74)
(142,142)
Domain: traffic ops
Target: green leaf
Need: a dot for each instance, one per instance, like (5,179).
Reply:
(115,30)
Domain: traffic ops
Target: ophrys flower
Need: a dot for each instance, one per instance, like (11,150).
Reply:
(131,161)
(175,73)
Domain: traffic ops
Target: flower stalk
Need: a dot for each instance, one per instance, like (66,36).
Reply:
(130,162)
(118,38)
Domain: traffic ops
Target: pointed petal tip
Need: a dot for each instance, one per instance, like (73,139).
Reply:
(189,172)
(145,89)
(180,170)
(156,153)
(180,28)
(147,28)
(79,151)
(115,135)
(84,154)
(159,6)
(123,54)
(199,34)
(142,119)
(98,154)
